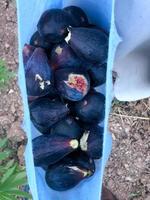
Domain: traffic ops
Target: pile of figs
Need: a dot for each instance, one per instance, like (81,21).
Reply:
(64,62)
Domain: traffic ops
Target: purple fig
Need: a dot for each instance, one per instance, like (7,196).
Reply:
(72,83)
(52,148)
(27,53)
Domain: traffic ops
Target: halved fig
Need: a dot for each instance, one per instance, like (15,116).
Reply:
(45,113)
(37,41)
(72,83)
(53,25)
(63,56)
(69,172)
(51,149)
(77,15)
(91,109)
(92,141)
(67,127)
(89,44)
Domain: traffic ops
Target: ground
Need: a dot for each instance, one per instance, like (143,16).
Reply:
(128,169)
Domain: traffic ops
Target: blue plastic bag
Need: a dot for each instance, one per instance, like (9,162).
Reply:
(99,12)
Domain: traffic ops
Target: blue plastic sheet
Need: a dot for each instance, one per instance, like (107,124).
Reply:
(100,12)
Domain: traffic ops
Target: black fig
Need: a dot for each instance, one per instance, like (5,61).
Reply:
(27,53)
(92,142)
(72,83)
(38,41)
(89,44)
(63,56)
(67,127)
(68,173)
(45,113)
(77,15)
(52,25)
(91,109)
(97,74)
(38,74)
(51,149)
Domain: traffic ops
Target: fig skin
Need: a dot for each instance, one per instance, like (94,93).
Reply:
(53,25)
(89,44)
(97,74)
(92,141)
(27,53)
(45,113)
(38,74)
(62,56)
(67,127)
(72,83)
(51,149)
(37,41)
(91,109)
(69,172)
(77,15)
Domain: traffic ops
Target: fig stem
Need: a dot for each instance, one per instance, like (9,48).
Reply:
(74,144)
(83,141)
(84,172)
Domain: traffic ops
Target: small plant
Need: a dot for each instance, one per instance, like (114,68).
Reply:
(5,74)
(12,176)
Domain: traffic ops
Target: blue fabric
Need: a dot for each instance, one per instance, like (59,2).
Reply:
(100,12)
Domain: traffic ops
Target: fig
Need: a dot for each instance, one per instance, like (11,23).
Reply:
(38,74)
(37,41)
(97,74)
(91,109)
(63,56)
(89,44)
(27,53)
(52,148)
(45,113)
(72,83)
(67,127)
(92,142)
(77,15)
(53,25)
(69,172)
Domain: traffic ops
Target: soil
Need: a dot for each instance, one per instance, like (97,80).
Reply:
(128,169)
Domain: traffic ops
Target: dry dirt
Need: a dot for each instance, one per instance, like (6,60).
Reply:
(128,171)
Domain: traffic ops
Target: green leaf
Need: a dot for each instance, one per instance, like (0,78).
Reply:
(4,155)
(3,142)
(14,181)
(6,196)
(9,164)
(20,193)
(8,173)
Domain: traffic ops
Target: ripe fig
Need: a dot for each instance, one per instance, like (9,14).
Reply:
(45,113)
(77,15)
(38,74)
(63,56)
(97,74)
(92,142)
(38,41)
(27,53)
(67,127)
(91,109)
(72,83)
(89,44)
(52,148)
(68,173)
(52,25)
